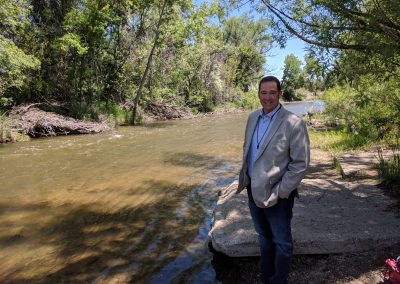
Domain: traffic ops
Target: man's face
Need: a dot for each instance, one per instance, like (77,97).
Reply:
(269,96)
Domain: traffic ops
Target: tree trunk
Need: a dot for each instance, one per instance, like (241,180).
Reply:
(149,61)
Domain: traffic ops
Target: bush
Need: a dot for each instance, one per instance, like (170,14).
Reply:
(248,100)
(371,109)
(339,104)
(301,94)
(201,102)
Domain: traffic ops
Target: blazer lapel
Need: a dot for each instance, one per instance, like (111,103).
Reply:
(272,131)
(249,134)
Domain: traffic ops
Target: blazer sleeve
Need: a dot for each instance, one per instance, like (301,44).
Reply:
(299,160)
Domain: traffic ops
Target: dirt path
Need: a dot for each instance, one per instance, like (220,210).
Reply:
(362,267)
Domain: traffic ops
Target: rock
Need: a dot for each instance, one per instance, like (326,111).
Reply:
(232,231)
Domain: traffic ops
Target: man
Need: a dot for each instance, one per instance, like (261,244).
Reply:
(276,154)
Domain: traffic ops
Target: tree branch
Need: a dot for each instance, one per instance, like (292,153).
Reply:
(308,40)
(314,25)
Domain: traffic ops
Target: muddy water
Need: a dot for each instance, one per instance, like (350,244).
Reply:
(133,206)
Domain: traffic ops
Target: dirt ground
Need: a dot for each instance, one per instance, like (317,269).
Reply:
(353,268)
(356,268)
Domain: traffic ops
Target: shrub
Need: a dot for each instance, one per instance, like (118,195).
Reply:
(371,109)
(248,100)
(339,104)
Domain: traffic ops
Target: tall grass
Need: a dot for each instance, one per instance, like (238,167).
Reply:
(337,140)
(389,171)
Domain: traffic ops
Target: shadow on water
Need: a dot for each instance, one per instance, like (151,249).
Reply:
(125,244)
(161,242)
(195,160)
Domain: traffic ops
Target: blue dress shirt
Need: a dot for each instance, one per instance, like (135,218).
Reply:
(264,124)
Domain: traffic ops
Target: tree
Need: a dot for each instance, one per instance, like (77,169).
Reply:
(16,60)
(248,42)
(370,27)
(358,43)
(149,60)
(292,78)
(91,55)
(314,74)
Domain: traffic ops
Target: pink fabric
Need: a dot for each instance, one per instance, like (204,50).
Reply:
(392,272)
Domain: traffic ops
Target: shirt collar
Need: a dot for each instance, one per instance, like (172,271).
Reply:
(270,114)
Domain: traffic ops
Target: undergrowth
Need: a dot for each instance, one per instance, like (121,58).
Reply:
(389,171)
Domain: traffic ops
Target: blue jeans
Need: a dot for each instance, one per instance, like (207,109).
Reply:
(275,238)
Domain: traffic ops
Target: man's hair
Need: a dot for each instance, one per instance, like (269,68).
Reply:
(270,79)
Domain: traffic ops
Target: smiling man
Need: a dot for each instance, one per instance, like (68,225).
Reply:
(276,154)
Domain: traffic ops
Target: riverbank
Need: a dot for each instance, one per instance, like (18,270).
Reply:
(41,120)
(361,197)
(32,121)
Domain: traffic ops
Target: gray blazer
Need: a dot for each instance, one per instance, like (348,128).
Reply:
(282,160)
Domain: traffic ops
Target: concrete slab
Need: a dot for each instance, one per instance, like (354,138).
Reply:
(331,216)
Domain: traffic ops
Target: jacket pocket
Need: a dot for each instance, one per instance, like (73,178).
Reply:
(272,181)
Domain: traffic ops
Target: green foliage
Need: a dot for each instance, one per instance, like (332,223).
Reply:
(300,94)
(71,42)
(249,100)
(16,62)
(314,74)
(367,27)
(292,78)
(16,65)
(371,110)
(92,53)
(99,112)
(247,43)
(338,104)
(389,171)
(338,166)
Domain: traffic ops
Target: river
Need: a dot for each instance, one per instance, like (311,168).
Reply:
(133,205)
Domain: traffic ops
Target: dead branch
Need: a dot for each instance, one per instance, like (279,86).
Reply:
(37,123)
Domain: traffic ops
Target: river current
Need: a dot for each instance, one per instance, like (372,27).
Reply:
(133,205)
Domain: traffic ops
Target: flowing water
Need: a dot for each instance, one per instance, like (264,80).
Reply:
(134,205)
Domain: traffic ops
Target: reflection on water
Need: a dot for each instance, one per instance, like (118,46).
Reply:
(130,206)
